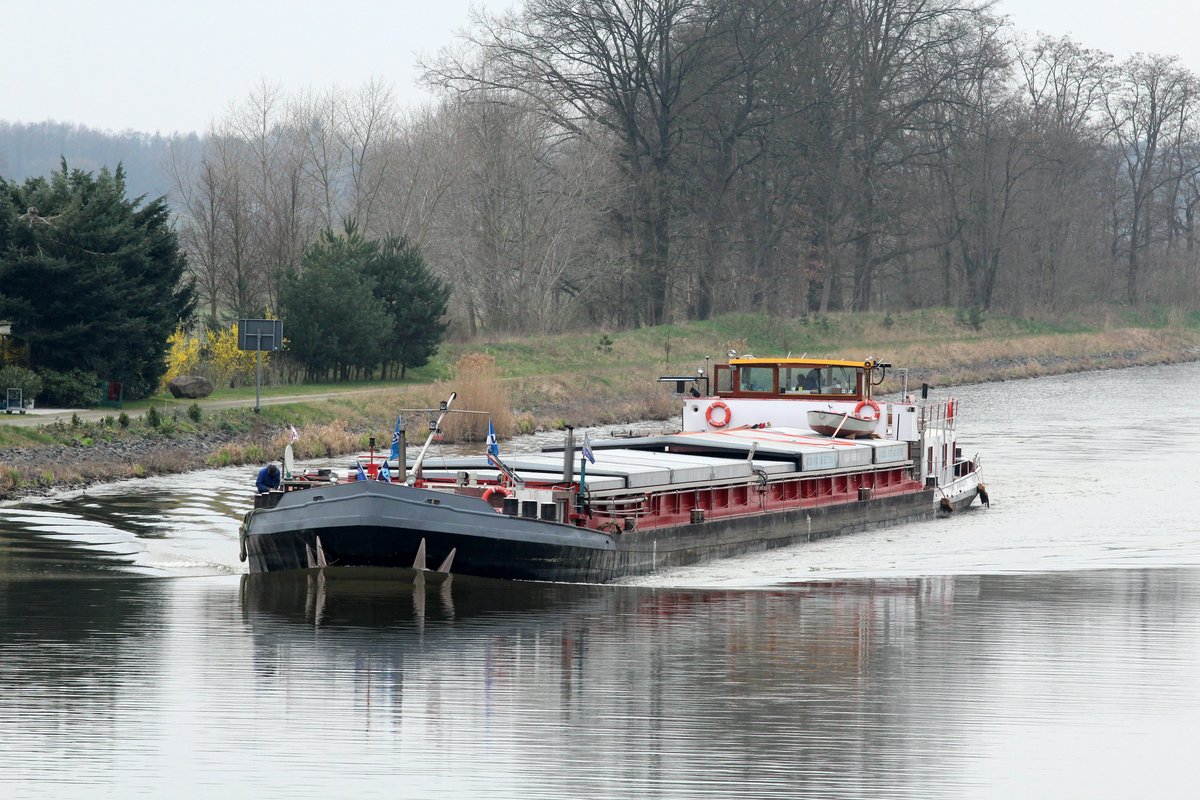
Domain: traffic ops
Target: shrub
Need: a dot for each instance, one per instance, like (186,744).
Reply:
(231,366)
(123,420)
(74,389)
(28,381)
(183,357)
(153,418)
(10,478)
(193,412)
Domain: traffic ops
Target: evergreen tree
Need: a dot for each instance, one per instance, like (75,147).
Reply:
(415,299)
(335,322)
(92,281)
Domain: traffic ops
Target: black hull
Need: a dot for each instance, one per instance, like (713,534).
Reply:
(370,524)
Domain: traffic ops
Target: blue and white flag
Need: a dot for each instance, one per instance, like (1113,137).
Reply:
(396,438)
(385,474)
(493,447)
(362,475)
(587,448)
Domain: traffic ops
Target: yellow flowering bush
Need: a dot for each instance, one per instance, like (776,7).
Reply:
(219,359)
(231,366)
(183,356)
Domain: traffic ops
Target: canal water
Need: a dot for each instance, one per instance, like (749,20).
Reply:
(1046,647)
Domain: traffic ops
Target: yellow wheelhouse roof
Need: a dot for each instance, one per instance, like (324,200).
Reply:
(800,362)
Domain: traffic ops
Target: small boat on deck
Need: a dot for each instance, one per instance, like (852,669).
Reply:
(747,471)
(842,423)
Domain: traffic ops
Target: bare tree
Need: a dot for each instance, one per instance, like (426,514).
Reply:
(1062,85)
(521,217)
(634,69)
(1148,102)
(199,204)
(364,129)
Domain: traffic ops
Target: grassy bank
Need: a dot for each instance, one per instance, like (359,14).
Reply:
(586,378)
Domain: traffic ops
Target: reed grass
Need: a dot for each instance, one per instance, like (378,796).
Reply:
(479,388)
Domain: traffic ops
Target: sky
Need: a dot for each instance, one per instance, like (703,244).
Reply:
(167,66)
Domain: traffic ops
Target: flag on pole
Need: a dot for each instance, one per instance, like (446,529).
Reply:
(587,448)
(493,447)
(396,438)
(362,475)
(385,474)
(295,435)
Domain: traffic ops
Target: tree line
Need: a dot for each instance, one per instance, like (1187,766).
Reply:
(641,161)
(96,297)
(92,281)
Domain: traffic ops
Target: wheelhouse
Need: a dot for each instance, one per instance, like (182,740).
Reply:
(815,379)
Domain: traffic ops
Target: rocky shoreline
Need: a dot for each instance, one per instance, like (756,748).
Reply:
(60,467)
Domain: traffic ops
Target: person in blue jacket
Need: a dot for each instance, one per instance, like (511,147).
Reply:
(268,479)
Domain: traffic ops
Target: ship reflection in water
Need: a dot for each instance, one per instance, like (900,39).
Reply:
(1077,685)
(349,683)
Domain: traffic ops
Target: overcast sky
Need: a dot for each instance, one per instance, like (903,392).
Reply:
(170,66)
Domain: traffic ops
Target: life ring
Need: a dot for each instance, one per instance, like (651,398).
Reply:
(495,491)
(726,416)
(866,404)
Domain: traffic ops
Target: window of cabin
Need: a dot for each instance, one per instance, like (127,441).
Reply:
(839,380)
(756,379)
(834,381)
(724,379)
(791,380)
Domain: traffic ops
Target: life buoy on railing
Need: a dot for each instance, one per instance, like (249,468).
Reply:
(495,491)
(866,404)
(711,416)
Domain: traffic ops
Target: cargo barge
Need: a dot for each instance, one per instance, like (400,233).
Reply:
(746,472)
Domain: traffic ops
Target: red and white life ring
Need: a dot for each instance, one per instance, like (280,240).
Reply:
(495,491)
(726,414)
(866,404)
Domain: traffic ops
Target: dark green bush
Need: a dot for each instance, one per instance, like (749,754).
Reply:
(74,389)
(28,381)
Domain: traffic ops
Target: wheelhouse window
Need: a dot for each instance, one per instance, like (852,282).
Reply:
(724,379)
(836,381)
(756,379)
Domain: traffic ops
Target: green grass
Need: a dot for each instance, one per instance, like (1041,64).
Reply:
(684,346)
(13,436)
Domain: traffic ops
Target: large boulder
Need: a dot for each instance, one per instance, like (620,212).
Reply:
(190,386)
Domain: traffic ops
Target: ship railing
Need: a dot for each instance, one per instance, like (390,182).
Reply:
(938,416)
(626,506)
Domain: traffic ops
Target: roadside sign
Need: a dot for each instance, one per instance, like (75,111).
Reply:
(260,334)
